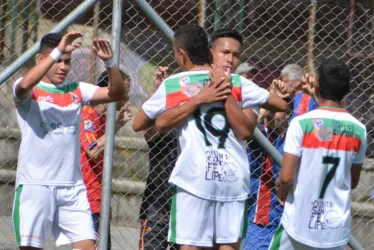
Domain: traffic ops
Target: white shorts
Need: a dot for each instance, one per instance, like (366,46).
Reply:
(283,241)
(199,222)
(65,211)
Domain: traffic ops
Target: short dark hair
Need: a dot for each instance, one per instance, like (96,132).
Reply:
(193,39)
(50,41)
(225,32)
(103,80)
(333,79)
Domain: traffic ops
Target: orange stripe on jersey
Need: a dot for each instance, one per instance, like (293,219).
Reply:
(62,100)
(90,137)
(338,142)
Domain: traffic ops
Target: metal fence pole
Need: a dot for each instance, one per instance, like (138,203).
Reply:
(17,64)
(109,135)
(259,137)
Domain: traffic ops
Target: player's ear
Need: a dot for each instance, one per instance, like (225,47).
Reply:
(39,57)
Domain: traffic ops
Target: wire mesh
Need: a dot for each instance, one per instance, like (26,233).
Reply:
(276,33)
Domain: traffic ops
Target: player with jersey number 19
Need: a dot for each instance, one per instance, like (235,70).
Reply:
(323,157)
(50,193)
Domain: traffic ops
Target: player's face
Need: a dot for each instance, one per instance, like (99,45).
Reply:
(59,70)
(226,53)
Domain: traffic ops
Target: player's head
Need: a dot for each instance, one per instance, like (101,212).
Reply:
(333,80)
(60,69)
(292,75)
(191,46)
(103,81)
(225,48)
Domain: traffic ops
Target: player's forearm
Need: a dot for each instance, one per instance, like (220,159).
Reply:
(117,90)
(241,124)
(174,117)
(142,122)
(275,104)
(33,77)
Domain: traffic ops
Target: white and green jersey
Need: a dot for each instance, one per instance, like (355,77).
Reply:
(318,210)
(213,162)
(49,120)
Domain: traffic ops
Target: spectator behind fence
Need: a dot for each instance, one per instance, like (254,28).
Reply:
(50,193)
(92,146)
(264,209)
(212,196)
(156,204)
(323,157)
(291,84)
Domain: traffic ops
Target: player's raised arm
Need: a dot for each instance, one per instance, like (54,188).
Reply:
(47,58)
(117,90)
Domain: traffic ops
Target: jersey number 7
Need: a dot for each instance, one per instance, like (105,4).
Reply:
(334,161)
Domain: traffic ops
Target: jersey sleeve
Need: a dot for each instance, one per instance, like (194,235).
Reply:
(253,96)
(87,135)
(20,102)
(294,138)
(155,105)
(361,154)
(312,104)
(87,90)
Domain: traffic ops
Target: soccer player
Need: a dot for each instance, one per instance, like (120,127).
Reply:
(92,135)
(323,157)
(50,193)
(210,182)
(156,203)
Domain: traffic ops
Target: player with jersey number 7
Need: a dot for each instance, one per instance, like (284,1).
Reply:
(50,194)
(210,179)
(323,156)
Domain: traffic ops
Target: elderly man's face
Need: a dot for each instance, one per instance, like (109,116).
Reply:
(291,85)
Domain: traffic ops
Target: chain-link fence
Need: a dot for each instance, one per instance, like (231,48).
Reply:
(276,33)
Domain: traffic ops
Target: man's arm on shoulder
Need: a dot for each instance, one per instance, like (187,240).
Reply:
(174,117)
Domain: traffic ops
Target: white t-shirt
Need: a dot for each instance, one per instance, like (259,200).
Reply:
(49,120)
(213,162)
(318,210)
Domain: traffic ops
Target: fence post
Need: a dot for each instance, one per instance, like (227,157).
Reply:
(109,135)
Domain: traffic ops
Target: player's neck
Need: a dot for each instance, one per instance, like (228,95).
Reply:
(46,80)
(199,67)
(329,103)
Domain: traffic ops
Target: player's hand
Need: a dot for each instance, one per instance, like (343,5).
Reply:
(102,49)
(279,88)
(124,115)
(308,83)
(160,75)
(219,77)
(217,89)
(281,193)
(66,44)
